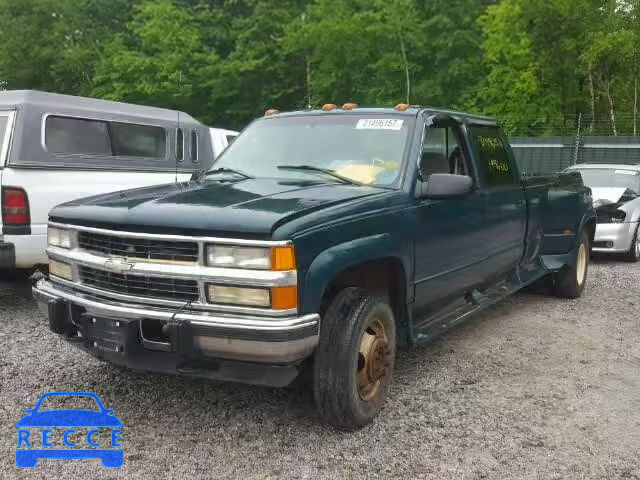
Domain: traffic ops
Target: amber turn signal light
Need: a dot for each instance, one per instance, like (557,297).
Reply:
(283,258)
(284,298)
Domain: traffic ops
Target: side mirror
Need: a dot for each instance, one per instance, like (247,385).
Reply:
(446,185)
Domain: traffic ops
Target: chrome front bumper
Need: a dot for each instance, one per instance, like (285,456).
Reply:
(614,237)
(246,338)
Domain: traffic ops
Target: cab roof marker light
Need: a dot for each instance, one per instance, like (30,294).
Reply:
(349,106)
(327,107)
(401,107)
(271,112)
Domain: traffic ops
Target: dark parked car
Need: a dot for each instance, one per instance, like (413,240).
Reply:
(324,238)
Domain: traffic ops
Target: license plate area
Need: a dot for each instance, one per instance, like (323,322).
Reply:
(108,334)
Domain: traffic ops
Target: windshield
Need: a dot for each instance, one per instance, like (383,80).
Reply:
(611,178)
(365,149)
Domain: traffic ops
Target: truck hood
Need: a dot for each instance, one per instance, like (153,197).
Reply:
(252,206)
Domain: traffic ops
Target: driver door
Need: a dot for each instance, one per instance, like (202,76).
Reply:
(450,243)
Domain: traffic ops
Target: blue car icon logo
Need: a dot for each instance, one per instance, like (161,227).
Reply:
(35,433)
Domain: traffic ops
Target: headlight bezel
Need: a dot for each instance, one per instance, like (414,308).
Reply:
(59,237)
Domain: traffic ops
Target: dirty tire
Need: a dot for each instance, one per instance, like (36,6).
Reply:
(633,255)
(349,387)
(570,282)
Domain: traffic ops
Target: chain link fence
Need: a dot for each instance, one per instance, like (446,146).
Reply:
(554,146)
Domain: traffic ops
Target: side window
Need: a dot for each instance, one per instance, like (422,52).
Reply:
(230,139)
(130,140)
(77,136)
(442,153)
(179,144)
(493,158)
(193,148)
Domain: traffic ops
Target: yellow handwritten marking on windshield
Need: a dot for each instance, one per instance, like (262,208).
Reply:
(489,143)
(498,166)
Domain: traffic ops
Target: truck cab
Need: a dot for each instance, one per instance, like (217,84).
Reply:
(320,240)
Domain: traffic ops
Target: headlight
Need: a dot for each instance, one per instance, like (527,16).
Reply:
(239,257)
(618,216)
(249,297)
(277,298)
(257,258)
(58,237)
(60,269)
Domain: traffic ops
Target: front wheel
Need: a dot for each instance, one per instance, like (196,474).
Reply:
(633,255)
(570,282)
(354,362)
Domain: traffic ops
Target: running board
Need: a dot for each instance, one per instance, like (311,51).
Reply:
(457,311)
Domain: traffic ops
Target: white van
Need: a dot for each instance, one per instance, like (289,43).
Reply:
(57,148)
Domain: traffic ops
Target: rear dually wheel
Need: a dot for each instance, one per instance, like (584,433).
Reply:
(570,282)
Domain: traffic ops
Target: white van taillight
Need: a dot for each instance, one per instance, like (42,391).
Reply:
(15,206)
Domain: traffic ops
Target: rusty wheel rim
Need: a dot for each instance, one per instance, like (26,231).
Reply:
(373,359)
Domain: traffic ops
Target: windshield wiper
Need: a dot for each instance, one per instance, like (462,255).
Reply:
(228,170)
(326,171)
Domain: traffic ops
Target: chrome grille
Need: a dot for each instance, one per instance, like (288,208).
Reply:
(140,285)
(138,247)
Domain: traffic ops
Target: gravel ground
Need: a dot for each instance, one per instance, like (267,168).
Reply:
(535,387)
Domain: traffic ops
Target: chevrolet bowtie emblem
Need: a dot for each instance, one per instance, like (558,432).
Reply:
(118,264)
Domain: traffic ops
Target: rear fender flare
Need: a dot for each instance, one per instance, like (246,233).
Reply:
(554,263)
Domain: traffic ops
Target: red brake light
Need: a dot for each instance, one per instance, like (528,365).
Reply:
(15,206)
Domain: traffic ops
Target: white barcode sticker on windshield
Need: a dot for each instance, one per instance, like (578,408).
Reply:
(379,124)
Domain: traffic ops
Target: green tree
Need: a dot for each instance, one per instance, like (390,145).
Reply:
(450,56)
(160,59)
(357,50)
(513,91)
(258,72)
(608,58)
(55,45)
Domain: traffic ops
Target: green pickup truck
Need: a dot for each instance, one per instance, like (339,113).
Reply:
(320,241)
